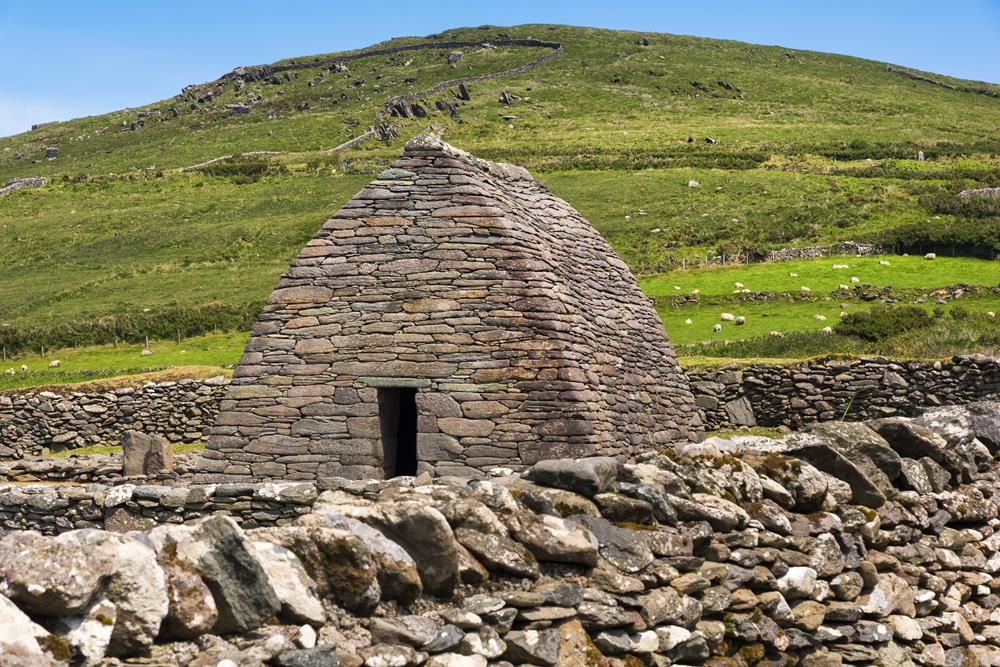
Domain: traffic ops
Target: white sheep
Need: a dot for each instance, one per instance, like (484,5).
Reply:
(826,331)
(696,291)
(776,334)
(792,275)
(843,286)
(677,287)
(146,352)
(740,320)
(855,280)
(744,291)
(24,368)
(693,183)
(688,321)
(54,363)
(819,318)
(843,314)
(9,371)
(628,217)
(883,262)
(990,313)
(739,285)
(727,317)
(717,328)
(930,255)
(841,266)
(805,290)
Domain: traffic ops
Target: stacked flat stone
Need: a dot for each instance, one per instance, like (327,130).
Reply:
(525,336)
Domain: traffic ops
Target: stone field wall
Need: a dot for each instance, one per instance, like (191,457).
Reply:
(31,422)
(871,543)
(825,390)
(763,395)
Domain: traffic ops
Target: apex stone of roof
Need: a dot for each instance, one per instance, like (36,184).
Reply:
(454,316)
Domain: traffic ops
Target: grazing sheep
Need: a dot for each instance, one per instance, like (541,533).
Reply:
(805,290)
(688,321)
(776,334)
(843,286)
(655,230)
(628,218)
(855,280)
(9,371)
(883,262)
(739,285)
(696,291)
(744,291)
(740,320)
(677,286)
(841,266)
(843,314)
(826,331)
(819,318)
(693,183)
(146,352)
(54,363)
(990,313)
(792,275)
(930,255)
(727,317)
(24,369)
(717,328)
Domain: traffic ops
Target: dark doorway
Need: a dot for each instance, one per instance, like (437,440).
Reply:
(397,411)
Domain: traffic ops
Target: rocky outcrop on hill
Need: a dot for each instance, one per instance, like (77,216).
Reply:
(22,184)
(872,543)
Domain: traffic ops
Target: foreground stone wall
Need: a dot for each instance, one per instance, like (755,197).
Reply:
(870,544)
(31,422)
(827,390)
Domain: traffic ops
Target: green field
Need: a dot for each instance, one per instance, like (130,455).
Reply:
(809,148)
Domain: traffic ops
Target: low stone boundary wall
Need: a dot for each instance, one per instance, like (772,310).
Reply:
(31,422)
(872,543)
(55,508)
(826,390)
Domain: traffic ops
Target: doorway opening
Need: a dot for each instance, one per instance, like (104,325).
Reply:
(397,411)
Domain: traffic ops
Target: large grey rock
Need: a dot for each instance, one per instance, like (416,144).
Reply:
(19,638)
(137,587)
(857,442)
(397,571)
(338,561)
(89,634)
(587,476)
(868,484)
(318,656)
(291,583)
(557,540)
(51,576)
(499,553)
(625,549)
(192,611)
(145,454)
(536,647)
(222,555)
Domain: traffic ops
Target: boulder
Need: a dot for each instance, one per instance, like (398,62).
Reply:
(557,540)
(625,549)
(89,634)
(397,571)
(868,483)
(587,476)
(498,553)
(20,640)
(858,443)
(339,562)
(137,587)
(291,583)
(222,555)
(29,577)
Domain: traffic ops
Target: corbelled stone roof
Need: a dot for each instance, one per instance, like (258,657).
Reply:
(525,336)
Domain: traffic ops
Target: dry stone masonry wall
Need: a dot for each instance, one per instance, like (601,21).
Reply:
(467,282)
(825,390)
(869,543)
(33,422)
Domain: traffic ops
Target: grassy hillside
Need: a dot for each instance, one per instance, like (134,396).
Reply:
(808,148)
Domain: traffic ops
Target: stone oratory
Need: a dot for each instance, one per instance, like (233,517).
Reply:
(454,316)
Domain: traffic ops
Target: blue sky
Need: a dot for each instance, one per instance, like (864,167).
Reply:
(71,58)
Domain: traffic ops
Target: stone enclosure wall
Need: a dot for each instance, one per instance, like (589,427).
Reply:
(826,390)
(31,422)
(866,544)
